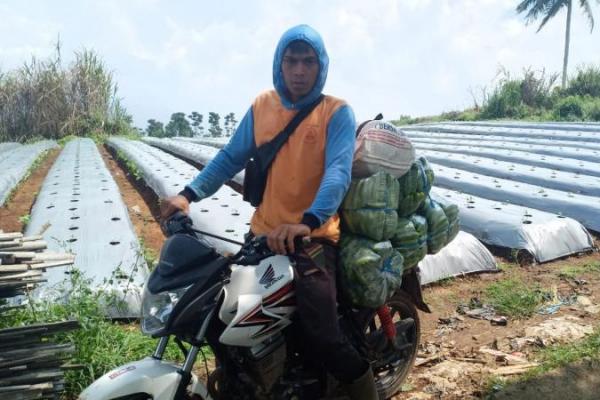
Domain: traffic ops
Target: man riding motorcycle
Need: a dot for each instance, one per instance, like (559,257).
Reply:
(305,185)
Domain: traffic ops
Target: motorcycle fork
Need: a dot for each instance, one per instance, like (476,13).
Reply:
(186,369)
(190,357)
(160,348)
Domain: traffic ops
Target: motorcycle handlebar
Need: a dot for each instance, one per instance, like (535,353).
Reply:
(299,242)
(182,223)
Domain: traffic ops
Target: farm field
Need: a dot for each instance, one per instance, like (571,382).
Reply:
(547,273)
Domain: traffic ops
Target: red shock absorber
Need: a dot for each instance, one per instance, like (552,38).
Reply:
(386,322)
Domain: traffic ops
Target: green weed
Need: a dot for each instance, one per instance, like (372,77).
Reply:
(574,271)
(514,298)
(100,344)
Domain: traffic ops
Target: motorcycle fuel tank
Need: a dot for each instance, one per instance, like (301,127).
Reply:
(259,301)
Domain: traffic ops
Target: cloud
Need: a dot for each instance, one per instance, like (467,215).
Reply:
(415,57)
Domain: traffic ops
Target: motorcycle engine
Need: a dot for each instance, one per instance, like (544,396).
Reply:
(266,362)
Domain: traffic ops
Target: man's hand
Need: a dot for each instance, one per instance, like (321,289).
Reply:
(170,205)
(284,235)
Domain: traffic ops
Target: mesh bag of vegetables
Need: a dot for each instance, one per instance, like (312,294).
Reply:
(437,225)
(371,271)
(451,211)
(414,187)
(370,207)
(411,239)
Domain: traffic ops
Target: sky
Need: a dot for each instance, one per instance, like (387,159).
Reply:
(403,57)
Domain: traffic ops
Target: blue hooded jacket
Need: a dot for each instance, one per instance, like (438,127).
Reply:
(339,149)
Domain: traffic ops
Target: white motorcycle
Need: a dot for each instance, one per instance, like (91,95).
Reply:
(243,308)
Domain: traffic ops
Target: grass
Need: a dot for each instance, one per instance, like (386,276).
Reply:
(514,298)
(66,139)
(446,281)
(506,267)
(100,344)
(575,271)
(561,355)
(131,166)
(551,358)
(149,254)
(24,220)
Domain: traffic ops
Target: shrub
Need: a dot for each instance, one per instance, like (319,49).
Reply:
(586,82)
(536,90)
(592,109)
(44,98)
(506,101)
(569,108)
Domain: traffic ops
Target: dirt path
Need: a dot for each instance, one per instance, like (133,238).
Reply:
(25,194)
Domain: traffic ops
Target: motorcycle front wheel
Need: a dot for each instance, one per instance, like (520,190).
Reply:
(392,362)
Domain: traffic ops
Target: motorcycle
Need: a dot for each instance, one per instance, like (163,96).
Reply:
(242,307)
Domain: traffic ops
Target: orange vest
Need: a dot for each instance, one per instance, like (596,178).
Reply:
(295,174)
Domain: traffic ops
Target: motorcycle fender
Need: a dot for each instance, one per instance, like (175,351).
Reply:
(411,284)
(153,377)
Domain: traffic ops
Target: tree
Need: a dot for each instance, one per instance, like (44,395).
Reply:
(230,123)
(197,127)
(155,128)
(547,9)
(226,124)
(214,129)
(178,126)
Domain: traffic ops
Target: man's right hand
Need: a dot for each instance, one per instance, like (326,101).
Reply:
(170,205)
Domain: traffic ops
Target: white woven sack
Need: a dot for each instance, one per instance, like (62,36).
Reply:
(382,147)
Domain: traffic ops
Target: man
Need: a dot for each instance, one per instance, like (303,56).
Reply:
(306,183)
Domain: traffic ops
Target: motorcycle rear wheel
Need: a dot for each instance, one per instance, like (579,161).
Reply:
(392,366)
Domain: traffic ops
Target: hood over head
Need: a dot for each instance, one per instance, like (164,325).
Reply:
(312,37)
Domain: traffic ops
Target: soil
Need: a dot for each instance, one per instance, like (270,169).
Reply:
(462,338)
(24,195)
(578,381)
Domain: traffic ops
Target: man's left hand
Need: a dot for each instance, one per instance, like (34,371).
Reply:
(284,235)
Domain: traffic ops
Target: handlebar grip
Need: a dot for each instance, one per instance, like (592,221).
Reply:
(299,242)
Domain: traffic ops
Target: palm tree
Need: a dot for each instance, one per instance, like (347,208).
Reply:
(546,9)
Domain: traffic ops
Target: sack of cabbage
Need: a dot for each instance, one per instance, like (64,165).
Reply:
(388,226)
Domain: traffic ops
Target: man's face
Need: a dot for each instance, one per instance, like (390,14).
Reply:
(300,71)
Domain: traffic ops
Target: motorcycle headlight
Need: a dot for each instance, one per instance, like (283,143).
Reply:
(156,308)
